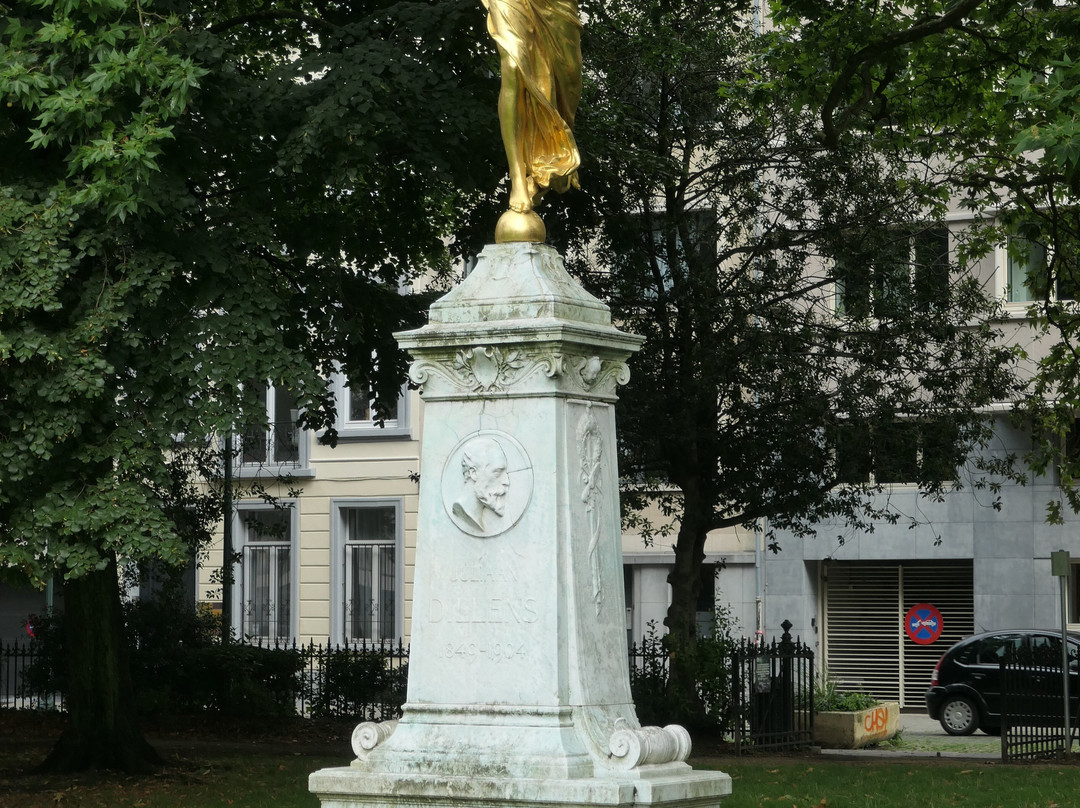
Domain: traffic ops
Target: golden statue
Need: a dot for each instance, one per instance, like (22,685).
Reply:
(539,45)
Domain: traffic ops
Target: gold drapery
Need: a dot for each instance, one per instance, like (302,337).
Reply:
(542,39)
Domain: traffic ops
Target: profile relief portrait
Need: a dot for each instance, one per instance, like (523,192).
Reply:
(483,500)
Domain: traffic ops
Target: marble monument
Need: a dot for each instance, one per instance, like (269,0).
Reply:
(518,691)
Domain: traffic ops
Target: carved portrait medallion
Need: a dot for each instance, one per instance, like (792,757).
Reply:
(487,483)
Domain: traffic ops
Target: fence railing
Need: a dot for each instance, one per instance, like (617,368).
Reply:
(773,694)
(366,682)
(770,704)
(1033,709)
(24,678)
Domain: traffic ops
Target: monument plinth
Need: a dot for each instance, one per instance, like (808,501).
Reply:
(518,689)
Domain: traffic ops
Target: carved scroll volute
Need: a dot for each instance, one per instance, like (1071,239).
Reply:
(631,748)
(370,734)
(600,376)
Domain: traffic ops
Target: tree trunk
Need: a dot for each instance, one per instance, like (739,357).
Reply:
(102,729)
(681,620)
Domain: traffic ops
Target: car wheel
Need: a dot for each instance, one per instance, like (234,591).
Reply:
(959,716)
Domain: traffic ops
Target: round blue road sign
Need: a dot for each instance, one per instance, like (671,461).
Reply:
(923,623)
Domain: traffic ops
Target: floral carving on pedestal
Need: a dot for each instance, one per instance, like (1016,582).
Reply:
(591,452)
(593,373)
(487,368)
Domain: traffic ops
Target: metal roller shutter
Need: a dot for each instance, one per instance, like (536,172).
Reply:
(950,588)
(866,647)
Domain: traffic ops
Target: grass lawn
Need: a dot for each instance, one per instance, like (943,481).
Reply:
(900,783)
(233,781)
(210,769)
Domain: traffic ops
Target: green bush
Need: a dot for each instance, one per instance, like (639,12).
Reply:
(711,664)
(648,680)
(357,683)
(179,665)
(44,676)
(828,698)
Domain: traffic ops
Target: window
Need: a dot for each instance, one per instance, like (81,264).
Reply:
(1026,267)
(1074,592)
(267,554)
(902,452)
(1001,646)
(911,267)
(153,580)
(1046,650)
(366,576)
(1070,451)
(357,417)
(278,443)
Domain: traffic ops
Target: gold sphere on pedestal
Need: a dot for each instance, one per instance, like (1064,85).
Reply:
(514,226)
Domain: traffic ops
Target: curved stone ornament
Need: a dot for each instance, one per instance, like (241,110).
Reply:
(370,734)
(600,376)
(645,746)
(488,369)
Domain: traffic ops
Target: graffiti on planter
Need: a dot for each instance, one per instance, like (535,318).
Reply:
(876,721)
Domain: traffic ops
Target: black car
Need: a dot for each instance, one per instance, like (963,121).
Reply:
(965,688)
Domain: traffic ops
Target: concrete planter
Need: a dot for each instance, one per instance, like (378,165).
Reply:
(855,730)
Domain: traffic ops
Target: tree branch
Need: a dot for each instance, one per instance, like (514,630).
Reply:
(863,58)
(270,16)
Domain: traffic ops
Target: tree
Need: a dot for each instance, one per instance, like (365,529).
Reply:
(195,196)
(804,321)
(988,89)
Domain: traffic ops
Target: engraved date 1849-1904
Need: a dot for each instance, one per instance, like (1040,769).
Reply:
(492,651)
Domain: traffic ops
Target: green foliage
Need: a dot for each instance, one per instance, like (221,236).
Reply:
(44,676)
(985,92)
(648,680)
(351,681)
(771,245)
(178,665)
(657,703)
(828,697)
(194,196)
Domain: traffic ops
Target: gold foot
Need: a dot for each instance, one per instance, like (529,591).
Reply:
(514,226)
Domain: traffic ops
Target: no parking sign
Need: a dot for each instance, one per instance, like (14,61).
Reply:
(923,623)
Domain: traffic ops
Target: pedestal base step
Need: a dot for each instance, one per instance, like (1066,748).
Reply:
(351,788)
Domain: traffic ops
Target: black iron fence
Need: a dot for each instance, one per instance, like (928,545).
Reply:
(25,678)
(1033,709)
(769,704)
(773,694)
(768,698)
(365,682)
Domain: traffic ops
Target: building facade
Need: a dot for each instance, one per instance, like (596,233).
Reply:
(328,556)
(331,560)
(854,595)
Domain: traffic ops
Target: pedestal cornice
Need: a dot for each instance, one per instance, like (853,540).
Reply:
(519,325)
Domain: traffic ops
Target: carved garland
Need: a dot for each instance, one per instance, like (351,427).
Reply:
(487,369)
(591,450)
(492,369)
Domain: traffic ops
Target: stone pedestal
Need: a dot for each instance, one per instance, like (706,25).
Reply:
(518,689)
